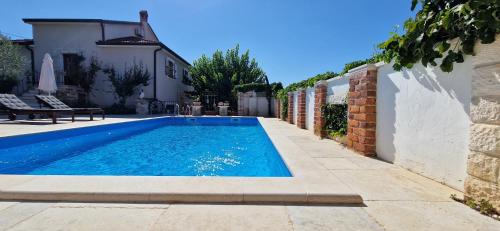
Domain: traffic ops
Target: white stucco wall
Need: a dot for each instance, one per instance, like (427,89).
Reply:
(423,122)
(337,89)
(119,30)
(59,38)
(310,109)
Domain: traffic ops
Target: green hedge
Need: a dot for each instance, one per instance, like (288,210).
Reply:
(282,94)
(335,118)
(258,87)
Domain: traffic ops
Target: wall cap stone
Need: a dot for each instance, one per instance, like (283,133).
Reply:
(369,67)
(321,82)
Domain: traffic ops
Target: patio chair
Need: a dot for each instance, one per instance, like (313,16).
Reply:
(14,106)
(55,103)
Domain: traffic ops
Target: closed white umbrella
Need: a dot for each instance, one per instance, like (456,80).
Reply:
(47,81)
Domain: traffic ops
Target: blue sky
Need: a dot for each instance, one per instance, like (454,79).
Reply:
(291,39)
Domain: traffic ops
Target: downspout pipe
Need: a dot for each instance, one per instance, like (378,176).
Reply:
(32,56)
(154,72)
(102,32)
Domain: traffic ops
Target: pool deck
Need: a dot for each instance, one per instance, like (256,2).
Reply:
(393,198)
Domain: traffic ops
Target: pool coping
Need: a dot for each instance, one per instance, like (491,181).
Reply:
(311,184)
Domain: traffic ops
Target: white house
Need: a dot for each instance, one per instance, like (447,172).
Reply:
(119,44)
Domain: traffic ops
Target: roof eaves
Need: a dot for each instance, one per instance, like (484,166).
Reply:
(22,41)
(173,53)
(75,20)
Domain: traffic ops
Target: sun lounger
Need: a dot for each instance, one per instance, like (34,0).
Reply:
(55,103)
(14,106)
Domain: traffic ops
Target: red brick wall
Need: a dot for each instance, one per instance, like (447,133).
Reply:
(290,108)
(319,100)
(301,109)
(362,110)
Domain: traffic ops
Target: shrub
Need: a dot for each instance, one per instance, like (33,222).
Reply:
(126,84)
(258,87)
(335,118)
(427,37)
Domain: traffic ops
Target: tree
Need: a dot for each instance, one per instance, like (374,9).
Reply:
(427,37)
(11,64)
(126,84)
(220,73)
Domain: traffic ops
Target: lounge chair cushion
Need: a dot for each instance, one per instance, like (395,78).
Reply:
(11,102)
(53,102)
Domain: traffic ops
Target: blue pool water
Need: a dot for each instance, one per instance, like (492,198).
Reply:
(157,147)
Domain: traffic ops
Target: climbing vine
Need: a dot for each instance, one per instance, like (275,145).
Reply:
(428,36)
(335,118)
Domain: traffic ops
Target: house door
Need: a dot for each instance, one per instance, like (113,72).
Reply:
(71,62)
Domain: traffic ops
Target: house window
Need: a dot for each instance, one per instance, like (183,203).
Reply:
(170,68)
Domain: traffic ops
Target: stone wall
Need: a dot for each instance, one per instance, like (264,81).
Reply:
(483,165)
(289,118)
(301,112)
(320,92)
(362,110)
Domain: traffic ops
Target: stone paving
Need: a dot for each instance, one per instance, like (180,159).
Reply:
(395,199)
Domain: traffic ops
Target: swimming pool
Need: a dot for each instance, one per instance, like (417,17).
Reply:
(169,146)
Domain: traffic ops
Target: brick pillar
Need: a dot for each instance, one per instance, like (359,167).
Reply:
(290,108)
(319,101)
(362,110)
(483,164)
(301,109)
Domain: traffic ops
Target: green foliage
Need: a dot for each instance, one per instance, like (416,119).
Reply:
(349,66)
(126,84)
(258,87)
(276,87)
(427,37)
(282,94)
(335,118)
(11,64)
(84,76)
(284,108)
(483,206)
(221,72)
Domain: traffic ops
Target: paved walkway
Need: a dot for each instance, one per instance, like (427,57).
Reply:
(395,199)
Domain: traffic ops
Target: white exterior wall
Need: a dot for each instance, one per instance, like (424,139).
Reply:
(169,88)
(59,38)
(337,89)
(310,109)
(121,58)
(295,106)
(253,104)
(423,122)
(112,31)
